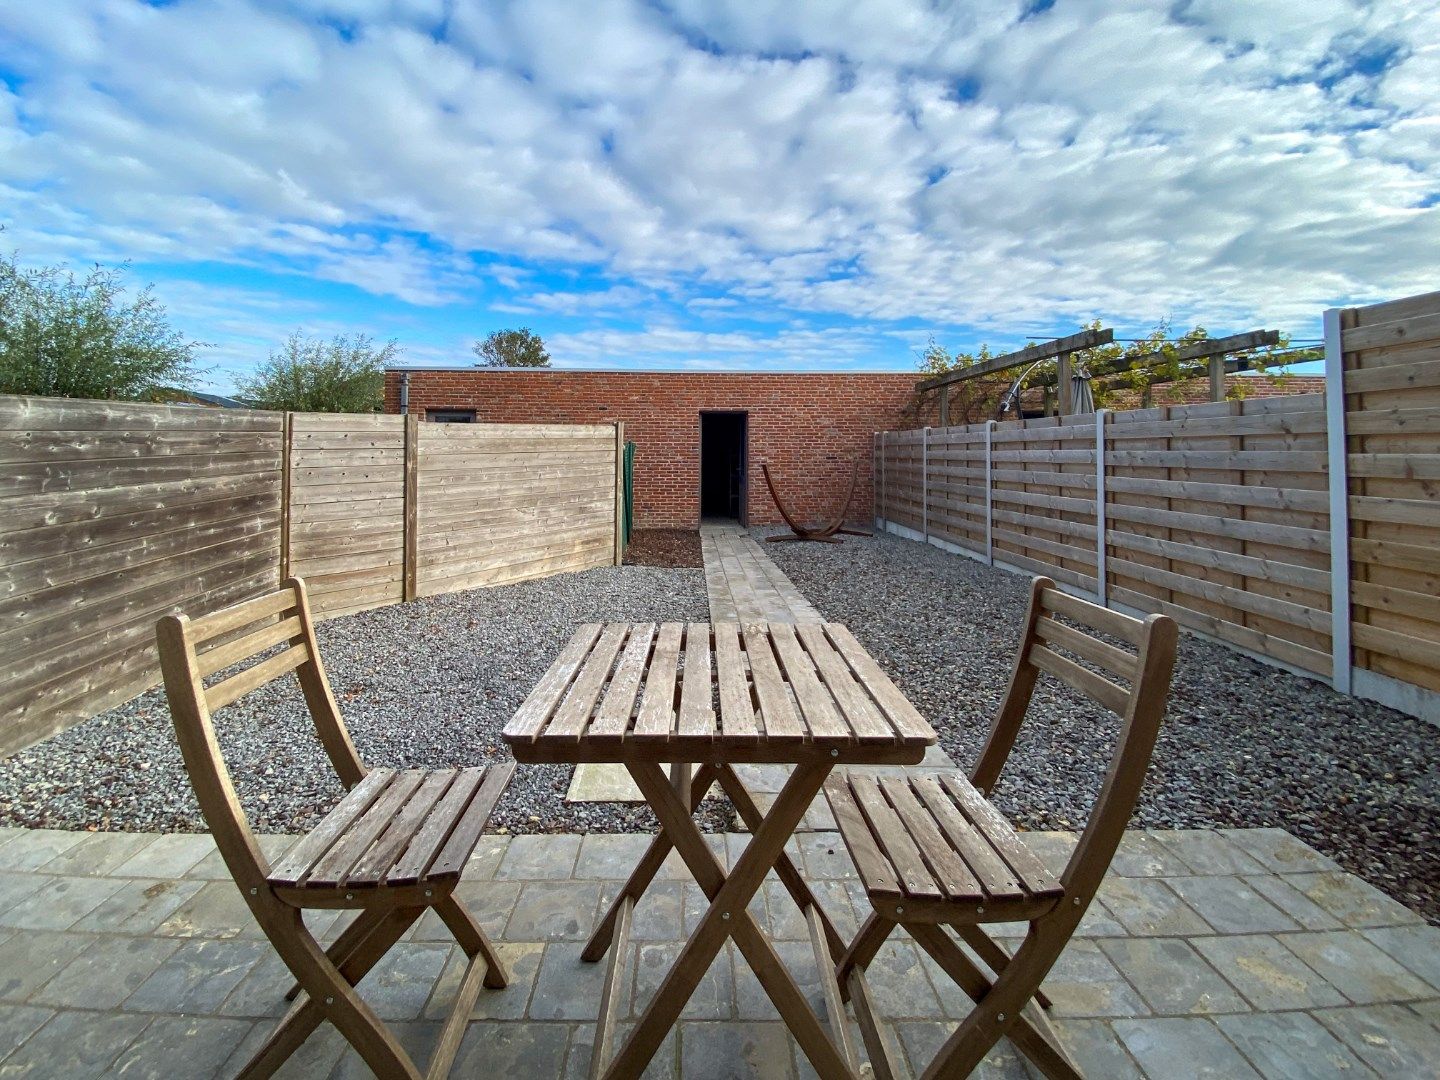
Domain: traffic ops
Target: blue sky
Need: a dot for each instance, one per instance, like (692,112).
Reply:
(695,183)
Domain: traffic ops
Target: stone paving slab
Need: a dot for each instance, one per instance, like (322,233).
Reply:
(745,585)
(1190,964)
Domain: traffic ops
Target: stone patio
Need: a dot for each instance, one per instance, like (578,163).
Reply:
(1223,954)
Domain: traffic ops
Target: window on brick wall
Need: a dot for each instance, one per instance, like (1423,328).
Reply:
(450,416)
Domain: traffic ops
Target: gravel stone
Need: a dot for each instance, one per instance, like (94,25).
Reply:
(1244,744)
(428,684)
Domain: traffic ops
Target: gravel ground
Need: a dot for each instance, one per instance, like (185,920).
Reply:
(1244,744)
(432,683)
(664,547)
(427,684)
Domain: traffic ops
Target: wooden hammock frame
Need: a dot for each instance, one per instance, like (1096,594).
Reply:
(823,533)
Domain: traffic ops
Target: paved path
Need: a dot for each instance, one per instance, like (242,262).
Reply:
(1208,953)
(744,584)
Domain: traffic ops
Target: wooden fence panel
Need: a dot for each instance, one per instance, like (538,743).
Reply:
(1043,497)
(111,515)
(346,510)
(1250,570)
(505,502)
(956,486)
(1391,358)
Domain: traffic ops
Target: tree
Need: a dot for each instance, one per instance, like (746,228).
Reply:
(79,337)
(343,375)
(512,348)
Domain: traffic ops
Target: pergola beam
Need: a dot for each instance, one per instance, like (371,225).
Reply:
(1086,339)
(1206,349)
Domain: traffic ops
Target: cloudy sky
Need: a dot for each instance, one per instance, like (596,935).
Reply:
(750,183)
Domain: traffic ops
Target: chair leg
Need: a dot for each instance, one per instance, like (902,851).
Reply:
(994,955)
(330,995)
(350,939)
(1003,1007)
(862,950)
(473,940)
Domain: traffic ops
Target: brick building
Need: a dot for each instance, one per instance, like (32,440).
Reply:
(699,436)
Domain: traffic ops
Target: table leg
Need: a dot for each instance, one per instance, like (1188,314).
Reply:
(727,917)
(649,865)
(792,879)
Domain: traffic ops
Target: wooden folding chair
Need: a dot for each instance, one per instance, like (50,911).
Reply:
(933,852)
(392,848)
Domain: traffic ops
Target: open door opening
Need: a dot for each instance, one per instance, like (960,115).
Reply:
(722,466)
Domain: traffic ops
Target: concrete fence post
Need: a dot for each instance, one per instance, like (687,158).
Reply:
(1336,445)
(1101,415)
(884,480)
(989,498)
(925,484)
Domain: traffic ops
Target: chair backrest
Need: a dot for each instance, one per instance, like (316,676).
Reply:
(1134,686)
(193,650)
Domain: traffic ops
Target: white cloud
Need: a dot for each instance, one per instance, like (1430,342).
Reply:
(878,160)
(675,346)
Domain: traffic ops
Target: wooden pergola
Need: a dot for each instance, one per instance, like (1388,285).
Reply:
(1208,355)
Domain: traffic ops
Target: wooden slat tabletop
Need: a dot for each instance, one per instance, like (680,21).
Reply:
(724,693)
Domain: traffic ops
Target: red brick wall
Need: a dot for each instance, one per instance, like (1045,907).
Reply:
(808,427)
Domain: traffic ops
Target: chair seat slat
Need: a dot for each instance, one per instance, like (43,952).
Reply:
(457,849)
(894,840)
(875,870)
(372,867)
(996,879)
(1033,875)
(334,866)
(945,864)
(292,867)
(411,866)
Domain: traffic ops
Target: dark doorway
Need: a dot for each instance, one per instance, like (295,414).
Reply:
(722,465)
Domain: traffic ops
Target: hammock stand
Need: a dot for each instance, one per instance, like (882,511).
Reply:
(823,533)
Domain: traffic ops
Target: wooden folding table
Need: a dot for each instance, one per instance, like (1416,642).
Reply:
(707,698)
